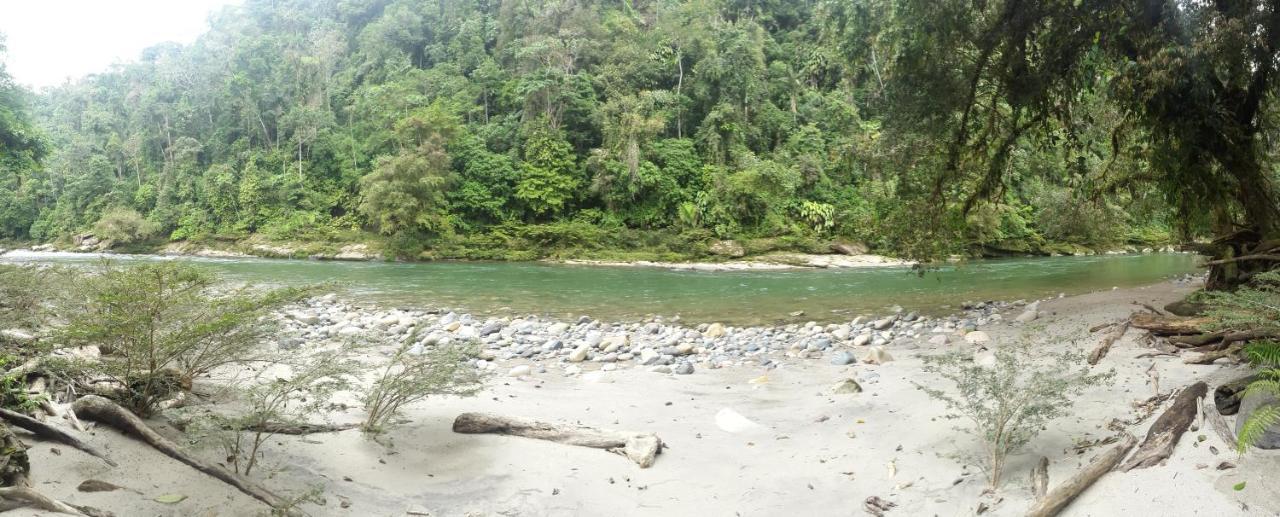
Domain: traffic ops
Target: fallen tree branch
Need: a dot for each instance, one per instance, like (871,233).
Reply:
(641,448)
(1060,497)
(1219,425)
(289,428)
(1167,430)
(1196,340)
(1243,258)
(1167,325)
(49,432)
(1101,326)
(1210,357)
(1101,350)
(1148,306)
(93,407)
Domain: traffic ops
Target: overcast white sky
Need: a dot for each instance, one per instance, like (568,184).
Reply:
(52,40)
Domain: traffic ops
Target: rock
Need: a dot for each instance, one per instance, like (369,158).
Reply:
(579,354)
(938,340)
(847,386)
(876,355)
(306,318)
(17,336)
(984,358)
(849,248)
(842,332)
(649,357)
(454,326)
(96,485)
(557,328)
(730,249)
(882,324)
(572,370)
(684,368)
(684,349)
(1027,316)
(1185,308)
(492,327)
(662,368)
(843,358)
(520,371)
(1251,403)
(977,337)
(349,331)
(731,421)
(714,330)
(467,332)
(862,340)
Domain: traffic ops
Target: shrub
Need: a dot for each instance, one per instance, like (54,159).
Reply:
(124,226)
(1009,403)
(278,402)
(415,373)
(160,324)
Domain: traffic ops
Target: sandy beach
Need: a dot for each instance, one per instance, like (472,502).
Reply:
(803,450)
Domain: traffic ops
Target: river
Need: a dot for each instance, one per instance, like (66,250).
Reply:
(628,293)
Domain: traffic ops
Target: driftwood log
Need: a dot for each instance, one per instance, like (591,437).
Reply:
(1168,429)
(93,407)
(49,432)
(1213,355)
(1103,347)
(1061,496)
(1167,325)
(641,448)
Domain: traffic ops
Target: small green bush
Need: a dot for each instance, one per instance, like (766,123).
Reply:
(124,226)
(1009,403)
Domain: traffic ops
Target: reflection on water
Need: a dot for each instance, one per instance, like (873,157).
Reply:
(622,293)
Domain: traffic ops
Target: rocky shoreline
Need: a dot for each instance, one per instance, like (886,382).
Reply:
(525,345)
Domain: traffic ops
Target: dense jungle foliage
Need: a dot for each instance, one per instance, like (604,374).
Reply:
(478,128)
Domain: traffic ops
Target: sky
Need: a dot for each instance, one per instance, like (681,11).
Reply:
(52,40)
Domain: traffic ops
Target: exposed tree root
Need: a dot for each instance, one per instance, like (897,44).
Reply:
(641,448)
(52,433)
(93,407)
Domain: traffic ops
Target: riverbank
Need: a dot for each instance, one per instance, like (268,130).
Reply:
(751,431)
(642,249)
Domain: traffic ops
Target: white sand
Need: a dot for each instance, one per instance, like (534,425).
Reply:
(791,465)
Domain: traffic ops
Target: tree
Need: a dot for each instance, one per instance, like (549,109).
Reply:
(549,177)
(406,191)
(1198,79)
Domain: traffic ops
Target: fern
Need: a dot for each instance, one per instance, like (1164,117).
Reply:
(1262,419)
(1254,307)
(1263,353)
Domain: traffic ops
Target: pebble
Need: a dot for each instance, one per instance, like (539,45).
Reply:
(657,344)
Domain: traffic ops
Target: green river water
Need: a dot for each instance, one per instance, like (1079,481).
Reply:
(628,293)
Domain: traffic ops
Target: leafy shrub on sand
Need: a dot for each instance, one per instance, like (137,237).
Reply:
(159,325)
(416,372)
(1010,402)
